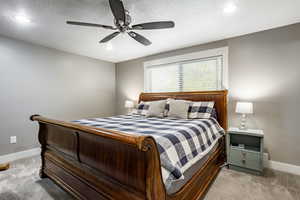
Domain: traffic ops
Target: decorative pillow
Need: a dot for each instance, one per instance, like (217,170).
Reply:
(201,109)
(143,107)
(167,107)
(156,108)
(178,108)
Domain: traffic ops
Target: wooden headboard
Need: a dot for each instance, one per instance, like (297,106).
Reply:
(219,97)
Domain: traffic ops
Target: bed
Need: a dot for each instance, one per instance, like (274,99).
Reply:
(96,162)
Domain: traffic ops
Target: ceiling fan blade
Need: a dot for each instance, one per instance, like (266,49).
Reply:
(139,38)
(154,25)
(90,24)
(117,9)
(109,37)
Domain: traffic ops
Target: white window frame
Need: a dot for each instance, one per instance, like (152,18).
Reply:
(223,51)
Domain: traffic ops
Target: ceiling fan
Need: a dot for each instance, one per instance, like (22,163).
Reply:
(122,23)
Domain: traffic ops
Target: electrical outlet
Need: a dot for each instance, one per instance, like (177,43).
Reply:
(13,139)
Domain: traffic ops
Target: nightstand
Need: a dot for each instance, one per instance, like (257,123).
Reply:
(245,150)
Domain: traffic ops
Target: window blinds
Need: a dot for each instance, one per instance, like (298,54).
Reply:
(194,75)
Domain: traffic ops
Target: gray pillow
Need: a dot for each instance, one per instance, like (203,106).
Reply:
(156,108)
(178,108)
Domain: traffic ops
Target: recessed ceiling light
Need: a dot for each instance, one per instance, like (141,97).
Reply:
(22,19)
(109,46)
(230,7)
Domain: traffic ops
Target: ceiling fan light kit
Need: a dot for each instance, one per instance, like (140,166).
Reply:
(122,21)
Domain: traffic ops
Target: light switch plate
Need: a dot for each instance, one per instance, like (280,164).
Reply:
(13,139)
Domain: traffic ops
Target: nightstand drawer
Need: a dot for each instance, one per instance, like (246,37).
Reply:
(244,158)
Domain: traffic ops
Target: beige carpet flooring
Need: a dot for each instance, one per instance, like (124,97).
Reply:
(21,182)
(274,185)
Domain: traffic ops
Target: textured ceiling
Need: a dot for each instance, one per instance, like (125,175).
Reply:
(197,21)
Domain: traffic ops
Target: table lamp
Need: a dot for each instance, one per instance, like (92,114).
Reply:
(244,108)
(129,105)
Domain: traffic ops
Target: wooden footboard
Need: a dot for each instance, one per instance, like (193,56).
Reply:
(88,161)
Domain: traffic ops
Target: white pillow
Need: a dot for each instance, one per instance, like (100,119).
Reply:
(156,108)
(178,108)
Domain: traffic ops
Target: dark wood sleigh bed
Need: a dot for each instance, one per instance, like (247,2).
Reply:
(93,163)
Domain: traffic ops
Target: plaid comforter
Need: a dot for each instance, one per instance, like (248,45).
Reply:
(181,142)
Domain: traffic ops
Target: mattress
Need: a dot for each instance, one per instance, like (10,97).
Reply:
(188,174)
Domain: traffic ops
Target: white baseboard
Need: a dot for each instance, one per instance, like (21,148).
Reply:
(19,155)
(280,166)
(284,167)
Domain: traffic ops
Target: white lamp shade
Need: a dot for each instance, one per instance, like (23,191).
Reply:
(129,104)
(244,107)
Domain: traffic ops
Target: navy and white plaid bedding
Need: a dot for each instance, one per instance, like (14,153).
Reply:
(181,142)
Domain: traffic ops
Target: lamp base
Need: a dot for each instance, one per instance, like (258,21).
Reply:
(243,122)
(243,128)
(4,167)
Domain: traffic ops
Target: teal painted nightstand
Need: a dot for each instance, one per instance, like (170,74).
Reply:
(245,150)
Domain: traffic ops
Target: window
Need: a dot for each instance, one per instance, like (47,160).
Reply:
(192,72)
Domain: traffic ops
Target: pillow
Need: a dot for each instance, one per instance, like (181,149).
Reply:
(143,107)
(201,109)
(156,108)
(167,107)
(178,108)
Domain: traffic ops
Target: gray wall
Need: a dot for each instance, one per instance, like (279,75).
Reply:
(264,68)
(35,79)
